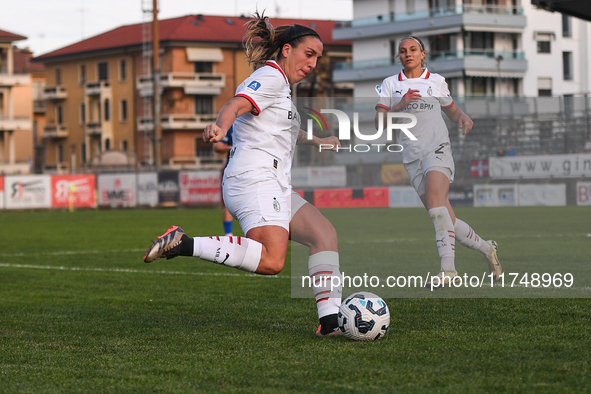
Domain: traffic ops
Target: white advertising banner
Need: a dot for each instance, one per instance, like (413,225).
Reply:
(27,191)
(200,187)
(495,195)
(583,193)
(117,190)
(523,195)
(540,166)
(546,195)
(404,197)
(331,176)
(147,189)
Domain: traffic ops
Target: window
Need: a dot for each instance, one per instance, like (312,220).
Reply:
(544,47)
(59,114)
(83,151)
(103,71)
(482,42)
(124,146)
(122,70)
(82,113)
(58,76)
(123,109)
(566,26)
(107,110)
(82,72)
(203,67)
(107,144)
(440,44)
(203,105)
(567,65)
(410,6)
(544,87)
(60,153)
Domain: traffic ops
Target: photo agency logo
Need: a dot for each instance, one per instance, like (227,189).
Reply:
(393,120)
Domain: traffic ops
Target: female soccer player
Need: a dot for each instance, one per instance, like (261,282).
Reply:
(428,159)
(256,185)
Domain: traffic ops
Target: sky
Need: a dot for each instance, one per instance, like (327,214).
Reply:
(50,25)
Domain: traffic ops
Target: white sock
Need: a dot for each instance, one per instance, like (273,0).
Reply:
(238,252)
(444,236)
(322,267)
(467,237)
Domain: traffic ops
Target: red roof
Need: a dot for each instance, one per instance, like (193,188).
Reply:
(190,28)
(6,36)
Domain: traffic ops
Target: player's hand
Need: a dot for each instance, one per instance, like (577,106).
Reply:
(330,140)
(410,96)
(465,123)
(213,133)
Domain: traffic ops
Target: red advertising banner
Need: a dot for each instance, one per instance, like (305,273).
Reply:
(200,187)
(73,190)
(349,198)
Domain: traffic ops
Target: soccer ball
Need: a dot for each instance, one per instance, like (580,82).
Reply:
(364,316)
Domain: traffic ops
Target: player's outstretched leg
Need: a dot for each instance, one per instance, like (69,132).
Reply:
(238,252)
(467,237)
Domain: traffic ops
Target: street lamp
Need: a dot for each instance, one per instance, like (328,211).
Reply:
(498,58)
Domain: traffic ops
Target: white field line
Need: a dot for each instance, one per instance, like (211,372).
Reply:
(135,271)
(222,274)
(390,240)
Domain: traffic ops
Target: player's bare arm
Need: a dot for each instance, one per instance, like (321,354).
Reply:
(317,141)
(237,107)
(410,96)
(458,116)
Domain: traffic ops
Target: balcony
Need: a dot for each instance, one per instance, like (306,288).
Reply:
(474,62)
(14,124)
(482,17)
(193,83)
(55,93)
(93,128)
(56,131)
(39,106)
(96,88)
(7,80)
(178,122)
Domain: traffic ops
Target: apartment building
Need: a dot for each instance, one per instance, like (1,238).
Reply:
(483,47)
(99,91)
(16,108)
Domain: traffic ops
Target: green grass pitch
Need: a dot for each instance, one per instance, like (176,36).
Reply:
(81,312)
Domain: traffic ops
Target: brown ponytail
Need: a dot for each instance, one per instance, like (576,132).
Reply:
(271,40)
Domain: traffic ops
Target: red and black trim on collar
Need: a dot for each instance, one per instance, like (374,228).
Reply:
(427,74)
(275,65)
(256,111)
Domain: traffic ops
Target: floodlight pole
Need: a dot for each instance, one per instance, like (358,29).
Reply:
(156,83)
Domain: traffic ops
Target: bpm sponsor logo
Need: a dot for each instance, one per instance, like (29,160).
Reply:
(344,134)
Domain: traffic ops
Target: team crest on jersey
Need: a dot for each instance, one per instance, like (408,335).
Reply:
(276,205)
(379,89)
(430,91)
(253,86)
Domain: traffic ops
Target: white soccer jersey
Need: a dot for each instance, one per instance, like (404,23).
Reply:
(430,130)
(266,137)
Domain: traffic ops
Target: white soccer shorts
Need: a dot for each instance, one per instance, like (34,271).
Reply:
(257,198)
(439,159)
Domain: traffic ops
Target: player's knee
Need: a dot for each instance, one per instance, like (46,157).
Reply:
(326,239)
(270,266)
